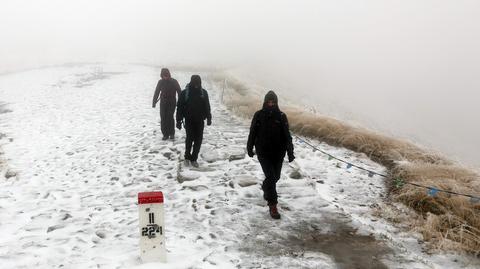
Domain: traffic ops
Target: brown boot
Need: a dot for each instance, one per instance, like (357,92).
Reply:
(274,212)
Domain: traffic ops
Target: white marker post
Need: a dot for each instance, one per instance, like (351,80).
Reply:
(150,218)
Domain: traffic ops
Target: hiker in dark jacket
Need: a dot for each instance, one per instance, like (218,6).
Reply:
(168,89)
(270,134)
(194,106)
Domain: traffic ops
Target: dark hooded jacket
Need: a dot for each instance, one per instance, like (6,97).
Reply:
(167,88)
(193,103)
(269,131)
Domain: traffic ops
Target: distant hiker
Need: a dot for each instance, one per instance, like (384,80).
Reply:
(194,106)
(168,89)
(270,134)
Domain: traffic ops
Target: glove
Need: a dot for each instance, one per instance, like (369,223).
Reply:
(209,122)
(291,157)
(179,125)
(250,153)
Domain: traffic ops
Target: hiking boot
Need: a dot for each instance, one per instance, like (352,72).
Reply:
(165,138)
(187,162)
(274,212)
(172,137)
(195,164)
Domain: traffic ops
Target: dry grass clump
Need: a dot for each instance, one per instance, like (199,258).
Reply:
(450,221)
(446,221)
(449,232)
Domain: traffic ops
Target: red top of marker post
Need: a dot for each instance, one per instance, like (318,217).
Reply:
(152,197)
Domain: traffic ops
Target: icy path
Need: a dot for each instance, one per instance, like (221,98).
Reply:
(85,141)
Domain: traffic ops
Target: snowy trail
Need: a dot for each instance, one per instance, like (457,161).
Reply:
(84,141)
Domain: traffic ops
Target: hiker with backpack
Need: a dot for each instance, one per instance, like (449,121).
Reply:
(168,89)
(270,134)
(193,106)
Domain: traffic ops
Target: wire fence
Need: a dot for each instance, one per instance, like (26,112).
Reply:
(398,182)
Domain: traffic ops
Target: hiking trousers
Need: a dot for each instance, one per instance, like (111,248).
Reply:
(272,168)
(167,123)
(194,130)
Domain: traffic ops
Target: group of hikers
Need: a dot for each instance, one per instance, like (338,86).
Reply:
(269,130)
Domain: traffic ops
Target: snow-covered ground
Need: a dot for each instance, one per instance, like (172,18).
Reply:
(81,141)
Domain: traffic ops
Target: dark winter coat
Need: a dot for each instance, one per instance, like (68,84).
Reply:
(193,104)
(269,131)
(167,88)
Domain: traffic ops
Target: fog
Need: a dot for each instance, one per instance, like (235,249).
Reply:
(407,68)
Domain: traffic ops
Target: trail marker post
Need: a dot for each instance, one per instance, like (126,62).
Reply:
(150,218)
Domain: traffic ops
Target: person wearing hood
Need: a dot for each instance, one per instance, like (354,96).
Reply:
(193,106)
(270,135)
(168,89)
